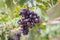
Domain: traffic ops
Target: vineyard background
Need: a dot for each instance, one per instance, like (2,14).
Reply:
(9,15)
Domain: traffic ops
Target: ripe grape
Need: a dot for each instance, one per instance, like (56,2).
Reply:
(28,20)
(10,38)
(25,32)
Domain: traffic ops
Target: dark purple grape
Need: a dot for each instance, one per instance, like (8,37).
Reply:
(27,16)
(23,18)
(28,12)
(24,28)
(10,38)
(34,16)
(17,33)
(22,21)
(28,20)
(25,32)
(36,20)
(31,12)
(19,22)
(30,16)
(23,12)
(28,24)
(33,23)
(16,37)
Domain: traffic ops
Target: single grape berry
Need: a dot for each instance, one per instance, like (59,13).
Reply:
(10,38)
(25,32)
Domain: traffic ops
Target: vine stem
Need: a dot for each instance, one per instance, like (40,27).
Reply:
(27,5)
(51,1)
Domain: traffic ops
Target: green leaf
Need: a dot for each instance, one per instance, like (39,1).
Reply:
(14,22)
(32,3)
(46,4)
(3,35)
(54,2)
(38,0)
(31,35)
(1,4)
(9,3)
(41,13)
(54,12)
(21,2)
(38,11)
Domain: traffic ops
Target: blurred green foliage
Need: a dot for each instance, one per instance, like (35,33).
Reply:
(9,15)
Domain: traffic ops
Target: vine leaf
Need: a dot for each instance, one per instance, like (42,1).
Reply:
(9,3)
(54,12)
(21,2)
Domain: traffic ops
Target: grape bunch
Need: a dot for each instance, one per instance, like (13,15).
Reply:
(28,20)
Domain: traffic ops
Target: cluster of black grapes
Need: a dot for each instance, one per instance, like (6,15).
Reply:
(28,20)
